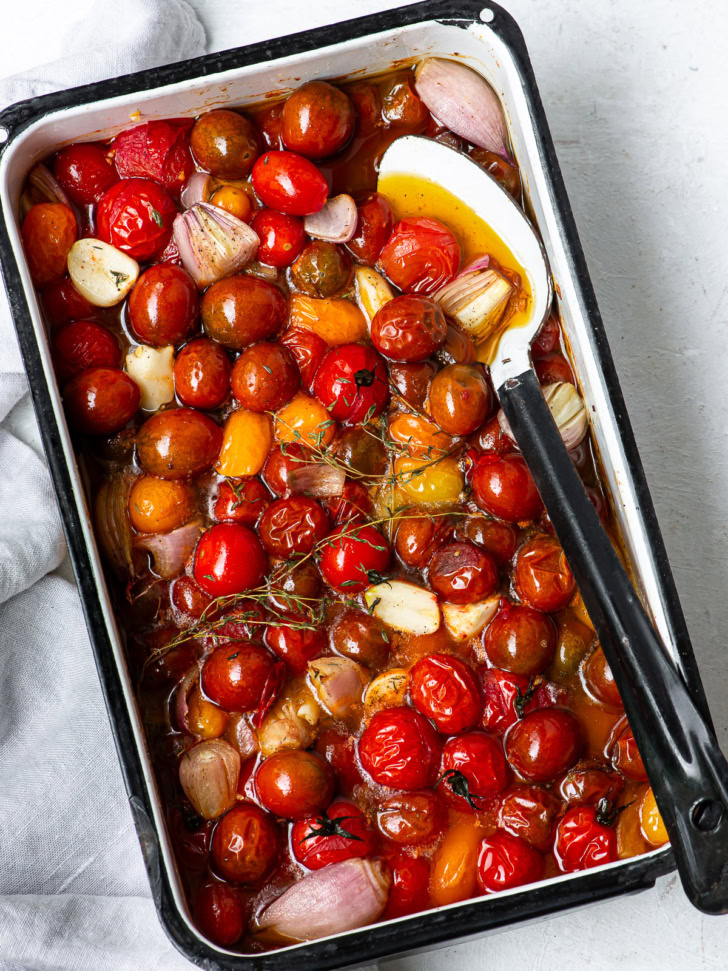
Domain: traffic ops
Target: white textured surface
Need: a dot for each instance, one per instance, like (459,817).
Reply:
(635,92)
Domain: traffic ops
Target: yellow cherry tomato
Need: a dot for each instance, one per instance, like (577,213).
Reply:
(204,718)
(160,505)
(421,480)
(234,200)
(306,421)
(653,828)
(336,320)
(246,441)
(454,865)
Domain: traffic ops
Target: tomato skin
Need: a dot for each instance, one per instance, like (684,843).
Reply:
(495,537)
(506,861)
(295,647)
(48,233)
(187,598)
(245,844)
(136,216)
(350,553)
(225,143)
(547,339)
(421,255)
(353,505)
(243,504)
(279,465)
(445,689)
(582,841)
(400,749)
(352,383)
(529,812)
(85,172)
(158,150)
(408,329)
(520,639)
(586,785)
(289,183)
(504,487)
(318,120)
(234,675)
(554,368)
(240,310)
(462,573)
(375,220)
(480,759)
(500,692)
(542,576)
(282,237)
(229,559)
(293,525)
(544,744)
(412,818)
(84,345)
(202,374)
(101,400)
(294,784)
(339,750)
(309,351)
(63,303)
(315,852)
(600,681)
(410,885)
(164,305)
(220,913)
(623,753)
(492,440)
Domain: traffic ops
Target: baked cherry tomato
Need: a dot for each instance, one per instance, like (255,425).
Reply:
(401,105)
(84,345)
(400,749)
(178,443)
(460,398)
(410,885)
(338,834)
(245,845)
(269,122)
(408,328)
(295,647)
(501,170)
(351,383)
(529,812)
(585,837)
(281,461)
(234,675)
(220,913)
(85,171)
(187,598)
(503,487)
(473,771)
(421,255)
(322,270)
(506,861)
(191,838)
(48,232)
(282,237)
(63,303)
(412,818)
(418,539)
(240,501)
(462,573)
(309,351)
(289,183)
(294,784)
(368,106)
(359,636)
(202,374)
(225,143)
(445,689)
(318,120)
(158,150)
(374,223)
(101,400)
(293,525)
(506,698)
(623,753)
(241,310)
(265,377)
(520,639)
(547,339)
(599,680)
(491,438)
(136,216)
(353,505)
(544,743)
(412,380)
(554,368)
(587,784)
(164,305)
(354,557)
(229,559)
(339,750)
(497,538)
(542,576)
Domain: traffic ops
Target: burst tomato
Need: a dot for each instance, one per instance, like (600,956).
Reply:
(242,501)
(412,818)
(506,861)
(84,345)
(309,351)
(158,150)
(351,383)
(408,329)
(446,690)
(542,576)
(473,771)
(354,557)
(293,525)
(245,844)
(585,837)
(338,834)
(421,255)
(529,812)
(400,749)
(282,237)
(136,216)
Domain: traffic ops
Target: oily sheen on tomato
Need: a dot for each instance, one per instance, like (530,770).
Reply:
(234,675)
(585,838)
(503,487)
(294,784)
(506,861)
(412,818)
(544,743)
(245,844)
(473,771)
(353,557)
(409,329)
(421,255)
(136,216)
(229,559)
(351,383)
(400,749)
(445,689)
(338,834)
(289,183)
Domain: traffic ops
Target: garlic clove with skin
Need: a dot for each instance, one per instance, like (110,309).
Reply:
(477,297)
(338,683)
(213,243)
(568,410)
(208,774)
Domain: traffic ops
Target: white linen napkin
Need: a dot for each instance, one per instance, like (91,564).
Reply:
(73,890)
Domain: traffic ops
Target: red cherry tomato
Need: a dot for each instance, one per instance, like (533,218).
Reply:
(529,812)
(242,501)
(462,573)
(63,303)
(585,837)
(164,305)
(245,845)
(623,753)
(542,576)
(158,150)
(220,913)
(101,401)
(421,255)
(599,680)
(353,505)
(505,699)
(505,861)
(84,345)
(400,749)
(187,598)
(293,525)
(547,339)
(586,785)
(85,172)
(309,351)
(289,183)
(281,461)
(473,771)
(234,675)
(318,120)
(229,559)
(339,750)
(353,557)
(48,231)
(497,538)
(352,383)
(410,885)
(491,438)
(503,487)
(202,375)
(554,368)
(412,818)
(282,237)
(408,329)
(294,784)
(520,639)
(544,744)
(446,690)
(270,122)
(295,647)
(375,220)
(339,834)
(136,216)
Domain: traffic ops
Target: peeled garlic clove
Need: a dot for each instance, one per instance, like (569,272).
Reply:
(467,620)
(462,101)
(404,606)
(477,297)
(568,411)
(372,291)
(208,774)
(153,370)
(336,222)
(213,243)
(101,273)
(338,683)
(387,690)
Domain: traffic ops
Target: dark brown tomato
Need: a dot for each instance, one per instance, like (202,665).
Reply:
(295,784)
(359,450)
(322,270)
(318,120)
(458,347)
(361,637)
(220,913)
(412,381)
(164,305)
(491,438)
(293,525)
(225,143)
(240,501)
(544,743)
(600,680)
(202,374)
(101,400)
(497,538)
(529,812)
(501,170)
(401,106)
(234,675)
(542,576)
(296,646)
(187,598)
(375,220)
(178,443)
(292,586)
(368,107)
(588,783)
(419,538)
(460,399)
(241,310)
(309,351)
(462,573)
(265,377)
(520,639)
(245,844)
(409,328)
(279,465)
(412,818)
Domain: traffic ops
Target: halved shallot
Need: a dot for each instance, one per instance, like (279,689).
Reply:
(208,773)
(338,898)
(338,683)
(170,551)
(336,222)
(477,297)
(46,188)
(462,101)
(213,243)
(568,411)
(198,189)
(317,479)
(111,519)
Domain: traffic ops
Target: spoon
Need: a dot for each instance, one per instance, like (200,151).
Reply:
(686,769)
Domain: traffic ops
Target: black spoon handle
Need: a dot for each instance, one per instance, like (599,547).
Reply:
(687,771)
